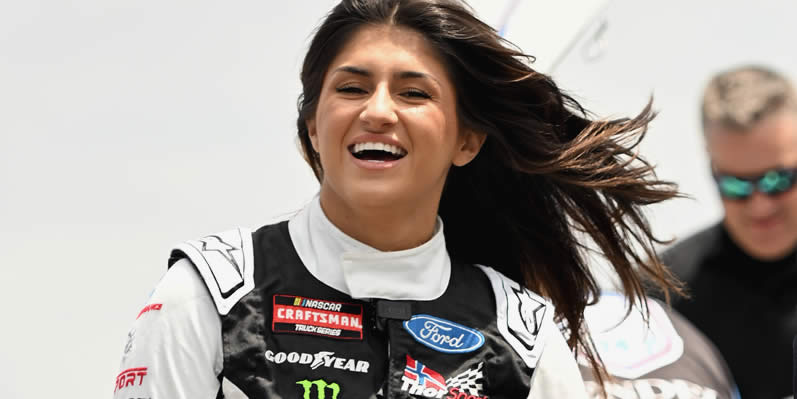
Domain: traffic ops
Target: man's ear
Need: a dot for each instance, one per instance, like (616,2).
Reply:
(470,144)
(312,133)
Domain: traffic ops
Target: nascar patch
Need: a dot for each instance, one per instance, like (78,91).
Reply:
(301,315)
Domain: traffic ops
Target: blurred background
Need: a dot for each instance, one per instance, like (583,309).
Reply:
(128,126)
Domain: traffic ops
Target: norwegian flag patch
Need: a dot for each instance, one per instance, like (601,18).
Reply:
(421,380)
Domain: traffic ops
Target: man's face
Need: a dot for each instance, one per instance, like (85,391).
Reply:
(765,227)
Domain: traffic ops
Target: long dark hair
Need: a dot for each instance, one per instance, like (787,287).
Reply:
(547,176)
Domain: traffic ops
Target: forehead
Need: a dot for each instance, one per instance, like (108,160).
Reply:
(384,48)
(770,143)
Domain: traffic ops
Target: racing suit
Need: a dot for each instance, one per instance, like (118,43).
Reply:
(300,310)
(665,357)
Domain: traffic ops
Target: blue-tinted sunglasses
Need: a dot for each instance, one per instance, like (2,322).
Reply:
(773,182)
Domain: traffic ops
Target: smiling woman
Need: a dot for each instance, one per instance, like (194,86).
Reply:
(414,116)
(386,131)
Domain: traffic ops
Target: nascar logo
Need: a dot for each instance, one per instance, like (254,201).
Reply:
(316,304)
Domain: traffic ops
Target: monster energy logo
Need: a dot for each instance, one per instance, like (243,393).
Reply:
(322,388)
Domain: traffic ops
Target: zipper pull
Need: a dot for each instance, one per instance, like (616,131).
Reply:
(390,310)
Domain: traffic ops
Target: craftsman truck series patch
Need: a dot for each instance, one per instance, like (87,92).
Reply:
(300,315)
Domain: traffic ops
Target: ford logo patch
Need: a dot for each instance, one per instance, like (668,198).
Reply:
(443,335)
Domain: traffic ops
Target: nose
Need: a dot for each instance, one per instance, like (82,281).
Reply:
(762,205)
(379,111)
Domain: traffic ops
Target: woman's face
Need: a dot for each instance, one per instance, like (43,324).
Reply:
(386,123)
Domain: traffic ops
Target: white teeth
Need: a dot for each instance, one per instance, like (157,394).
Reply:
(359,147)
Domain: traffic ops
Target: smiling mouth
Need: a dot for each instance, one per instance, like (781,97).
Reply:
(377,152)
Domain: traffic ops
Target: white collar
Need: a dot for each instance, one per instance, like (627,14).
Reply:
(361,271)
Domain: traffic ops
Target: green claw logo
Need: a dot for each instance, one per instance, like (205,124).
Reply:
(322,388)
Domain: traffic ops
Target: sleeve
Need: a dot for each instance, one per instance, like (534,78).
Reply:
(557,374)
(174,348)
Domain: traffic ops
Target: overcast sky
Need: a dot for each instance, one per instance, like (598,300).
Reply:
(128,126)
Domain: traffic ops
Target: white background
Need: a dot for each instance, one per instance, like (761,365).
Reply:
(128,126)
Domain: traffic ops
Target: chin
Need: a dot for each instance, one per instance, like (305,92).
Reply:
(769,251)
(377,195)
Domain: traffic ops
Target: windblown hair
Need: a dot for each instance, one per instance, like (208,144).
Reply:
(545,176)
(740,97)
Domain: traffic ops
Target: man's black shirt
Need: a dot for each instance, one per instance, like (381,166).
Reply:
(747,307)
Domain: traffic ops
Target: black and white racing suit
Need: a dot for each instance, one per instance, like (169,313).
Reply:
(300,310)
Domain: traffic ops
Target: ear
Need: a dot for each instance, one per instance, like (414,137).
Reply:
(312,133)
(469,146)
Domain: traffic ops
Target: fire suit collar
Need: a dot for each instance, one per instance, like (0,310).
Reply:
(361,271)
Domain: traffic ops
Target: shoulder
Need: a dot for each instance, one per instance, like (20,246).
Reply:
(630,344)
(180,284)
(701,348)
(525,321)
(524,318)
(557,375)
(224,262)
(686,256)
(178,325)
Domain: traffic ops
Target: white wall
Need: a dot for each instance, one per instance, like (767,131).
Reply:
(128,126)
(669,50)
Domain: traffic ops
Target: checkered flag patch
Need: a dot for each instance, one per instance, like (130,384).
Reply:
(467,380)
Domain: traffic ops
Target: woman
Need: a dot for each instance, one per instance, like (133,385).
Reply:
(414,116)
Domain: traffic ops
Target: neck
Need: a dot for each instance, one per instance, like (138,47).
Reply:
(387,227)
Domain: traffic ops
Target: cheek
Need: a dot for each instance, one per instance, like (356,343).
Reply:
(733,209)
(789,203)
(431,125)
(330,127)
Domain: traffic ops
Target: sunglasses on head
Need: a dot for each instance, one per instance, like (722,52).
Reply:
(772,182)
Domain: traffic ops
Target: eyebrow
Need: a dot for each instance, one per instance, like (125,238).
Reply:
(399,75)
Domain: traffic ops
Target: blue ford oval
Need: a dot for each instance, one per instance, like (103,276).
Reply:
(443,335)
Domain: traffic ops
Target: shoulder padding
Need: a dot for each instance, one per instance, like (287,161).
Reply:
(225,262)
(524,318)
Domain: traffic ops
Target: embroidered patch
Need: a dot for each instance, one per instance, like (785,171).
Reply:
(134,376)
(299,315)
(318,359)
(421,380)
(149,308)
(443,335)
(319,389)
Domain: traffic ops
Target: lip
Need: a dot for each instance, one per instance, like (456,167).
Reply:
(371,165)
(765,224)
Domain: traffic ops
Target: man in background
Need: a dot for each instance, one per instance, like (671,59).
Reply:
(742,272)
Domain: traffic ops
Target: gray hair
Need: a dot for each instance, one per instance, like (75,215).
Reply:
(740,97)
